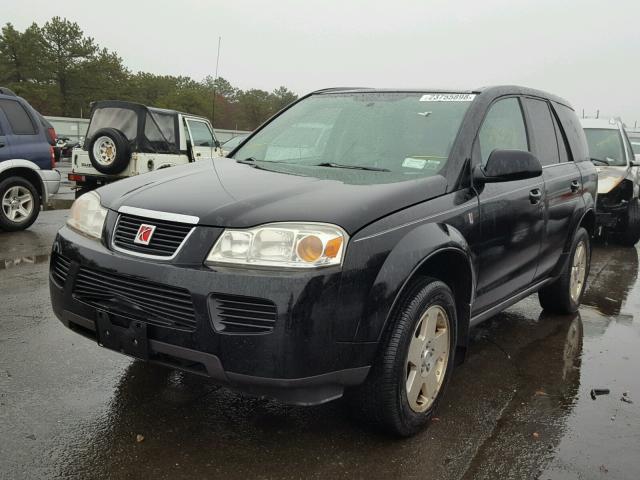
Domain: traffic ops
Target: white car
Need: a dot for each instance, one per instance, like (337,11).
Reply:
(125,139)
(618,205)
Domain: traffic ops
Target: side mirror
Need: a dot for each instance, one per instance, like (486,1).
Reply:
(508,165)
(636,163)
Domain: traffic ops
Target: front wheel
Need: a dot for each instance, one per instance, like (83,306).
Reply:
(19,204)
(565,294)
(631,234)
(409,376)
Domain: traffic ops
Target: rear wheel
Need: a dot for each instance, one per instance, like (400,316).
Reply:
(409,376)
(631,234)
(565,294)
(19,204)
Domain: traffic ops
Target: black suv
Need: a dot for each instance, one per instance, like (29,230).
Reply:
(347,246)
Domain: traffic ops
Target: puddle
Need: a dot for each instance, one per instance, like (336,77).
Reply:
(7,263)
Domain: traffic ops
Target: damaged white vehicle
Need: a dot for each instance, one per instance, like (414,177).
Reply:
(618,204)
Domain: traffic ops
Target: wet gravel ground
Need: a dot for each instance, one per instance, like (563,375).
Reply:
(519,408)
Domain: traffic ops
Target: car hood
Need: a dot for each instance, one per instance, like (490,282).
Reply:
(223,193)
(610,176)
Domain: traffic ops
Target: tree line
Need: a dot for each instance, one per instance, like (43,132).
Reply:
(60,71)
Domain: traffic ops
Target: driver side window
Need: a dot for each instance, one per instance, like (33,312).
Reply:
(503,128)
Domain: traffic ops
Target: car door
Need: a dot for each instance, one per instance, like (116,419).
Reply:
(511,213)
(202,140)
(27,142)
(562,180)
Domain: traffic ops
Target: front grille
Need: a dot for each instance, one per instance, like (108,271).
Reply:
(166,238)
(150,302)
(60,268)
(239,314)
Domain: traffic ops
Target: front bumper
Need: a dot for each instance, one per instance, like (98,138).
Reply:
(298,362)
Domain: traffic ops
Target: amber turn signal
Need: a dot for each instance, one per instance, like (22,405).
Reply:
(333,247)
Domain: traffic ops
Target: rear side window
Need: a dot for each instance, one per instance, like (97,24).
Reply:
(573,130)
(503,128)
(544,135)
(20,121)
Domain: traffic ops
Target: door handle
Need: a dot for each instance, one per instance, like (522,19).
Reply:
(535,196)
(198,154)
(1,144)
(575,186)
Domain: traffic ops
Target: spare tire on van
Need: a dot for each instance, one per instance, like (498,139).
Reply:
(109,151)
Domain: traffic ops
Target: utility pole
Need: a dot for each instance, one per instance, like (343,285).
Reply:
(213,104)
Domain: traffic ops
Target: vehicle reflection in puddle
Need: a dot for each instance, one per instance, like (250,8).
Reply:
(529,390)
(7,263)
(614,271)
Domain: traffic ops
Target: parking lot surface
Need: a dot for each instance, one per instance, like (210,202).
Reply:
(520,407)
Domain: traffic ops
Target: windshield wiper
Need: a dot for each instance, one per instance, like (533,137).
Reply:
(247,161)
(600,161)
(352,167)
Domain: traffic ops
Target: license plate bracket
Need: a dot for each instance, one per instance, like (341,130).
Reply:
(130,340)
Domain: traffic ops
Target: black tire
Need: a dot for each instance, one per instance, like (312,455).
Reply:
(631,233)
(382,399)
(12,225)
(556,297)
(122,151)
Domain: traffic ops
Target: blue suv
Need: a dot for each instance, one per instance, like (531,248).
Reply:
(27,162)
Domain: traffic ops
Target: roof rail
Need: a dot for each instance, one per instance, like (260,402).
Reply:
(6,91)
(338,89)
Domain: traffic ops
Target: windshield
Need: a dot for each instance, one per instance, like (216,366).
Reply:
(234,142)
(387,137)
(605,146)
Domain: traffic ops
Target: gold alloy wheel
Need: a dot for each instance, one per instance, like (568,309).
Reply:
(104,151)
(427,358)
(578,271)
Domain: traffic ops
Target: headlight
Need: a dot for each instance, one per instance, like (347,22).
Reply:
(297,245)
(87,215)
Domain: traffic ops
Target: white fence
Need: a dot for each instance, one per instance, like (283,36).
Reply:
(74,128)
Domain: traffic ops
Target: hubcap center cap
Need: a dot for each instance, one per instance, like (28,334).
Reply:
(426,361)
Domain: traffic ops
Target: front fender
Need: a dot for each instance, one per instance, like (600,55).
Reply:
(406,258)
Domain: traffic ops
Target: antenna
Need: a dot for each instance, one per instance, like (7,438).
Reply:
(213,104)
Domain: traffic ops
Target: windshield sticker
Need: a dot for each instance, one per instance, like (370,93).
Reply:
(448,97)
(422,163)
(410,162)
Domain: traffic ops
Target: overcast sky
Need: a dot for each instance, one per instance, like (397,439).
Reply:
(587,51)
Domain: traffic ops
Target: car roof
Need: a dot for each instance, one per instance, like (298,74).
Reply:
(139,107)
(495,90)
(601,123)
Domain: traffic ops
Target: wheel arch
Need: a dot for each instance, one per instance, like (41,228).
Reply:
(24,169)
(436,250)
(588,221)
